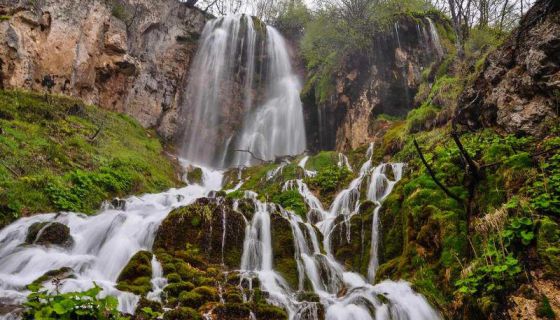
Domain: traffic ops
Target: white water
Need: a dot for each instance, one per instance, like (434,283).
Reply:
(276,128)
(158,281)
(224,70)
(327,277)
(103,244)
(434,36)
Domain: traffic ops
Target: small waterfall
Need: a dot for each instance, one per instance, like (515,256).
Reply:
(103,244)
(158,281)
(343,162)
(434,36)
(379,188)
(241,95)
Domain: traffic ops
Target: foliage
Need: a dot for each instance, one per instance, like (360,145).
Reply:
(74,305)
(545,190)
(291,200)
(292,19)
(329,179)
(50,161)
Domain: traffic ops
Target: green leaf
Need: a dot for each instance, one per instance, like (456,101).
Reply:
(59,309)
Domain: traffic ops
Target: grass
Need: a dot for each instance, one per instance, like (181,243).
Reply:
(57,153)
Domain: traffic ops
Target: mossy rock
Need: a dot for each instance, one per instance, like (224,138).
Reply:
(548,246)
(232,311)
(195,176)
(60,274)
(200,226)
(182,313)
(49,233)
(270,312)
(137,274)
(175,289)
(354,254)
(283,249)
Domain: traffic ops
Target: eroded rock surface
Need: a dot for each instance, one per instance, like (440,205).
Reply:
(518,90)
(126,56)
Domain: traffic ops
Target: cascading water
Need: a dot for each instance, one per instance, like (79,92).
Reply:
(360,300)
(434,36)
(102,244)
(241,63)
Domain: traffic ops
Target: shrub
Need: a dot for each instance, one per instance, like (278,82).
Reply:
(74,305)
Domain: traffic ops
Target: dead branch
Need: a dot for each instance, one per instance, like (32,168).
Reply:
(432,174)
(11,170)
(252,155)
(92,139)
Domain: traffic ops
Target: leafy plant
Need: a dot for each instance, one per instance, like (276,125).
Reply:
(519,229)
(42,305)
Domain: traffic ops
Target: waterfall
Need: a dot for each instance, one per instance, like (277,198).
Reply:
(361,299)
(276,128)
(242,94)
(434,36)
(103,244)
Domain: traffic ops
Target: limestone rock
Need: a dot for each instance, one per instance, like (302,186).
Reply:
(126,56)
(518,89)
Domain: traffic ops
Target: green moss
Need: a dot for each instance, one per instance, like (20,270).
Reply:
(544,310)
(50,161)
(548,248)
(60,274)
(195,176)
(5,18)
(49,233)
(136,275)
(291,200)
(191,299)
(182,313)
(266,311)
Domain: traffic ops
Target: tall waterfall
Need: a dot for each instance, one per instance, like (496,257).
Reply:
(242,94)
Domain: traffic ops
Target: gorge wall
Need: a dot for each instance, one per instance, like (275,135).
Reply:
(383,80)
(518,90)
(129,56)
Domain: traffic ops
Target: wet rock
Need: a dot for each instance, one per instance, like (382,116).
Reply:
(351,242)
(58,274)
(201,225)
(517,91)
(49,233)
(137,274)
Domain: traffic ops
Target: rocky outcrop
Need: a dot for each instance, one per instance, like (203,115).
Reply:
(518,91)
(383,81)
(129,56)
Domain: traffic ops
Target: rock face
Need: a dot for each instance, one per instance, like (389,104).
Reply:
(383,83)
(518,90)
(129,56)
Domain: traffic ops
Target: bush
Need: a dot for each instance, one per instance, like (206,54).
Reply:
(74,305)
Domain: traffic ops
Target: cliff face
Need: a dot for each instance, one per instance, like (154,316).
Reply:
(518,90)
(128,56)
(382,81)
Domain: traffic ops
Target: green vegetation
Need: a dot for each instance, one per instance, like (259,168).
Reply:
(136,275)
(41,305)
(56,153)
(5,18)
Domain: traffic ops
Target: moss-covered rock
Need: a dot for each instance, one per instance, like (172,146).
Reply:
(59,274)
(194,175)
(270,312)
(49,233)
(548,246)
(283,249)
(200,227)
(137,274)
(354,253)
(232,311)
(182,313)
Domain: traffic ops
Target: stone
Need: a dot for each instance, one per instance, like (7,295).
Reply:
(517,92)
(49,233)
